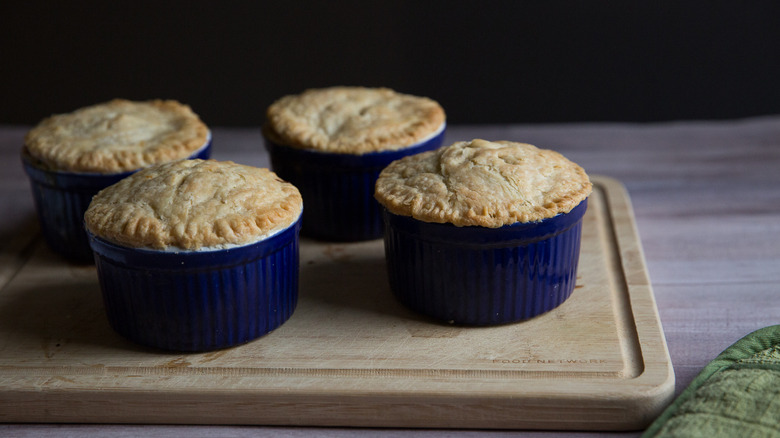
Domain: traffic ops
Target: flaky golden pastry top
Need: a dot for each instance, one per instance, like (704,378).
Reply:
(483,183)
(117,136)
(353,120)
(194,204)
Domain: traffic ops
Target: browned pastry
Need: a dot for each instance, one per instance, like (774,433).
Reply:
(483,183)
(194,204)
(354,120)
(117,136)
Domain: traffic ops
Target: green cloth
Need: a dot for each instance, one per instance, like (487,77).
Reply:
(737,395)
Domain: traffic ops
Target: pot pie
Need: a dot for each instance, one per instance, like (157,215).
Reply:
(353,120)
(333,142)
(483,232)
(117,136)
(483,183)
(196,255)
(194,204)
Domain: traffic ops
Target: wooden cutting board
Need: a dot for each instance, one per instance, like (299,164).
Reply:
(350,355)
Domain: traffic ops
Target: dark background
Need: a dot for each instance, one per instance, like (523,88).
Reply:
(484,61)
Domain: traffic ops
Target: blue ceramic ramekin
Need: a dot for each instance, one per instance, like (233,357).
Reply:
(483,276)
(338,189)
(61,198)
(195,301)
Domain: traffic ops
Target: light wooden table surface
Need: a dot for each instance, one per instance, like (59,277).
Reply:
(706,197)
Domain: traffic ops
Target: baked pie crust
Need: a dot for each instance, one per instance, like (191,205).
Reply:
(117,136)
(194,204)
(353,120)
(483,183)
